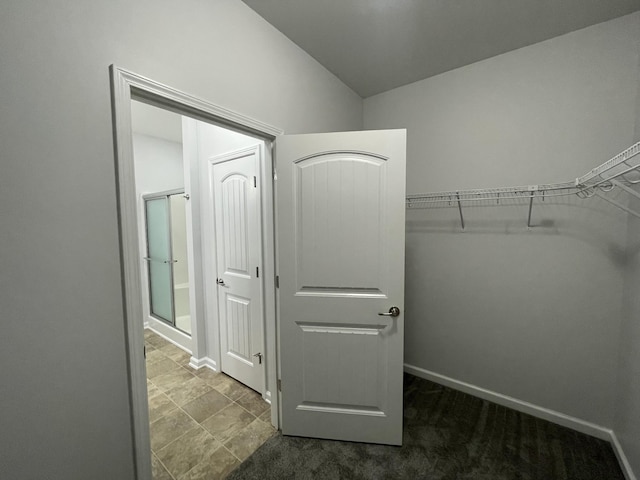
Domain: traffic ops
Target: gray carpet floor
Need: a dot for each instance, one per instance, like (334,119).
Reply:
(448,435)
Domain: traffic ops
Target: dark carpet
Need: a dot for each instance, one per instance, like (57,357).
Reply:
(448,435)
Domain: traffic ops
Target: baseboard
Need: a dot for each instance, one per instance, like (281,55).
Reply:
(198,363)
(170,334)
(267,397)
(622,458)
(519,405)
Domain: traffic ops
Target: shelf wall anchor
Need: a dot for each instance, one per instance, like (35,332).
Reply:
(460,210)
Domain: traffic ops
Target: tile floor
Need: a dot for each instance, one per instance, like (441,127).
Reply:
(203,424)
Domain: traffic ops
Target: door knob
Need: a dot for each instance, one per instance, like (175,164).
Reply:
(393,312)
(259,355)
(220,281)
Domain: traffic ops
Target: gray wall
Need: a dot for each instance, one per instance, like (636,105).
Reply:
(158,163)
(627,419)
(534,314)
(64,404)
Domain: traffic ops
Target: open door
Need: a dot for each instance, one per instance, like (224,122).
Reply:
(340,230)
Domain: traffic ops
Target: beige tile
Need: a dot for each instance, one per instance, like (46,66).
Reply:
(189,368)
(227,422)
(153,356)
(247,441)
(221,463)
(253,402)
(159,406)
(170,427)
(158,472)
(231,388)
(185,392)
(160,367)
(266,416)
(172,379)
(152,390)
(176,354)
(157,341)
(194,447)
(148,333)
(209,376)
(206,405)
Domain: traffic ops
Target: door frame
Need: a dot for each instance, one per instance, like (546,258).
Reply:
(125,87)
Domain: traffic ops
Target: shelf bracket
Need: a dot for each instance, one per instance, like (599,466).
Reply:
(629,190)
(460,209)
(530,209)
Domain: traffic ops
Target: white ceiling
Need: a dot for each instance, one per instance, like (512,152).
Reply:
(376,45)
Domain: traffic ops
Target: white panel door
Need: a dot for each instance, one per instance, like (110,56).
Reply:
(236,206)
(340,227)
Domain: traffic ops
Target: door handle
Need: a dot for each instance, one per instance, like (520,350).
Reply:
(393,312)
(220,281)
(259,355)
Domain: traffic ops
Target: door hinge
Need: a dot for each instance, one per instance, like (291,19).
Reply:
(279,385)
(257,272)
(255,182)
(277,281)
(144,351)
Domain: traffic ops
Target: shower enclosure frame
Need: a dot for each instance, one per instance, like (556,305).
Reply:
(156,196)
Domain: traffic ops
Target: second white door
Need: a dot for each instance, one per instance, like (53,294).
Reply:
(235,190)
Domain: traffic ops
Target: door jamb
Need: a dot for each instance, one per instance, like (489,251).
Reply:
(125,86)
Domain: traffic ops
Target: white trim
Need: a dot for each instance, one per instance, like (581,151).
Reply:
(521,406)
(198,363)
(197,288)
(169,333)
(622,458)
(130,267)
(269,285)
(124,85)
(144,88)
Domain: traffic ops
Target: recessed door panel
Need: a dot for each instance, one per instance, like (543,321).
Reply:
(340,241)
(238,320)
(234,223)
(341,367)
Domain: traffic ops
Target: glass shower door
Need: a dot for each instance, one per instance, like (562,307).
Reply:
(159,259)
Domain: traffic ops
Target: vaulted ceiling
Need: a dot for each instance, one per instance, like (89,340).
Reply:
(377,45)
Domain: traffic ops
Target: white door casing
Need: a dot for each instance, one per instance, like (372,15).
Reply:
(235,195)
(125,86)
(340,227)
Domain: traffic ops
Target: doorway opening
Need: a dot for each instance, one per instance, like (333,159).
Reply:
(205,335)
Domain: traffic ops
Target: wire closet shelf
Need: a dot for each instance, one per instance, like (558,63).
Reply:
(621,171)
